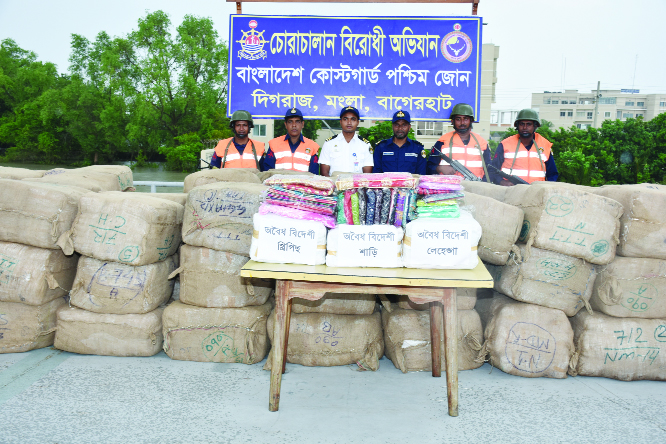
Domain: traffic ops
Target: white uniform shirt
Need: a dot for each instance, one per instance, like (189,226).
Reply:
(346,157)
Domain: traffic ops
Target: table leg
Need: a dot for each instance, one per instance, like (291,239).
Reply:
(279,342)
(435,337)
(451,348)
(286,335)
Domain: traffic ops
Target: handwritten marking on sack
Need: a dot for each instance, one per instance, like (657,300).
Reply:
(220,342)
(163,251)
(524,231)
(530,348)
(107,229)
(124,182)
(329,335)
(7,266)
(660,333)
(555,268)
(114,279)
(599,248)
(228,203)
(559,206)
(3,321)
(129,253)
(641,298)
(634,346)
(574,235)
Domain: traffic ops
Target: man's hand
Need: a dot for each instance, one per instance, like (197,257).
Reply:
(446,170)
(506,183)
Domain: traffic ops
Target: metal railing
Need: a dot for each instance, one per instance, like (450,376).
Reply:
(153,184)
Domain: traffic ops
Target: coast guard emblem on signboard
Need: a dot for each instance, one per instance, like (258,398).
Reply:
(456,45)
(252,43)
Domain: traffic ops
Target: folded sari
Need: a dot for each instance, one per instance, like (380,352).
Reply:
(293,213)
(318,182)
(376,180)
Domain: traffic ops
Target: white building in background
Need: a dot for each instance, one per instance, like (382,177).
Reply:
(501,120)
(571,108)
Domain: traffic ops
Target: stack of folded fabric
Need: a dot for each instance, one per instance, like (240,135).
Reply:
(301,197)
(440,195)
(376,199)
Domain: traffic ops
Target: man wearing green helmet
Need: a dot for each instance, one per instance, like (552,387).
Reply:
(527,154)
(231,152)
(463,145)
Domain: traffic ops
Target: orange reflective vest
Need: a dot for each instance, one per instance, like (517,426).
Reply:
(529,165)
(470,156)
(298,160)
(231,158)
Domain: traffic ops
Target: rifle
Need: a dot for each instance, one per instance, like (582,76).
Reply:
(209,165)
(513,179)
(459,167)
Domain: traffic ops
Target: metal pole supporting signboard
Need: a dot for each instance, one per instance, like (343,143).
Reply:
(475,3)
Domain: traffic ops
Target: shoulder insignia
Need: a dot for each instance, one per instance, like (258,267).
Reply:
(418,143)
(367,141)
(330,138)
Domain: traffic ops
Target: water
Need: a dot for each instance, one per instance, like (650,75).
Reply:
(156,174)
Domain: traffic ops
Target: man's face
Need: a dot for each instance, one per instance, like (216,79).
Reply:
(241,128)
(401,129)
(462,124)
(349,122)
(526,128)
(294,126)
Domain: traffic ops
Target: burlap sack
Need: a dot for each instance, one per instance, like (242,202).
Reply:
(337,303)
(36,213)
(19,173)
(112,287)
(175,294)
(496,192)
(94,178)
(123,227)
(500,224)
(407,339)
(631,288)
(34,276)
(211,278)
(205,177)
(180,198)
(325,340)
(270,173)
(465,300)
(627,349)
(234,238)
(643,228)
(217,206)
(546,278)
(27,327)
(524,339)
(216,334)
(568,221)
(88,333)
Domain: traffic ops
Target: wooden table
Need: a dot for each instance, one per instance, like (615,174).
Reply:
(436,287)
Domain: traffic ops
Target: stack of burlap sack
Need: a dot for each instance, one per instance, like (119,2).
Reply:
(128,243)
(35,274)
(567,289)
(220,316)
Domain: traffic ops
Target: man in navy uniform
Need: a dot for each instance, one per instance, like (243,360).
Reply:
(400,154)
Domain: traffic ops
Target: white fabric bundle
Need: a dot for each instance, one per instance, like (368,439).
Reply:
(281,240)
(442,243)
(365,246)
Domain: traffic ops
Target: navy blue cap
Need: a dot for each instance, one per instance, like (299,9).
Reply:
(293,112)
(401,115)
(349,109)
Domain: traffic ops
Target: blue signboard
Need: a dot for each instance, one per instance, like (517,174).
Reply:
(424,65)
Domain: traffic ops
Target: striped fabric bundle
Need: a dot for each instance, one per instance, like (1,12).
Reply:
(293,213)
(277,195)
(440,178)
(320,183)
(442,197)
(376,180)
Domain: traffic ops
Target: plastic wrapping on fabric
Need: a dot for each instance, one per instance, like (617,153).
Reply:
(376,180)
(371,204)
(440,179)
(437,188)
(307,190)
(386,206)
(399,208)
(318,182)
(439,212)
(341,219)
(354,208)
(394,196)
(378,205)
(293,213)
(421,204)
(347,207)
(442,197)
(299,200)
(411,213)
(362,205)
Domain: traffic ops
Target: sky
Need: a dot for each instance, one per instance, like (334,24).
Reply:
(617,42)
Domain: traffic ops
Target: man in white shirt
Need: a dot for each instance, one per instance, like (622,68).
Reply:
(346,152)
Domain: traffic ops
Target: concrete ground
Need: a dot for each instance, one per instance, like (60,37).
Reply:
(49,396)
